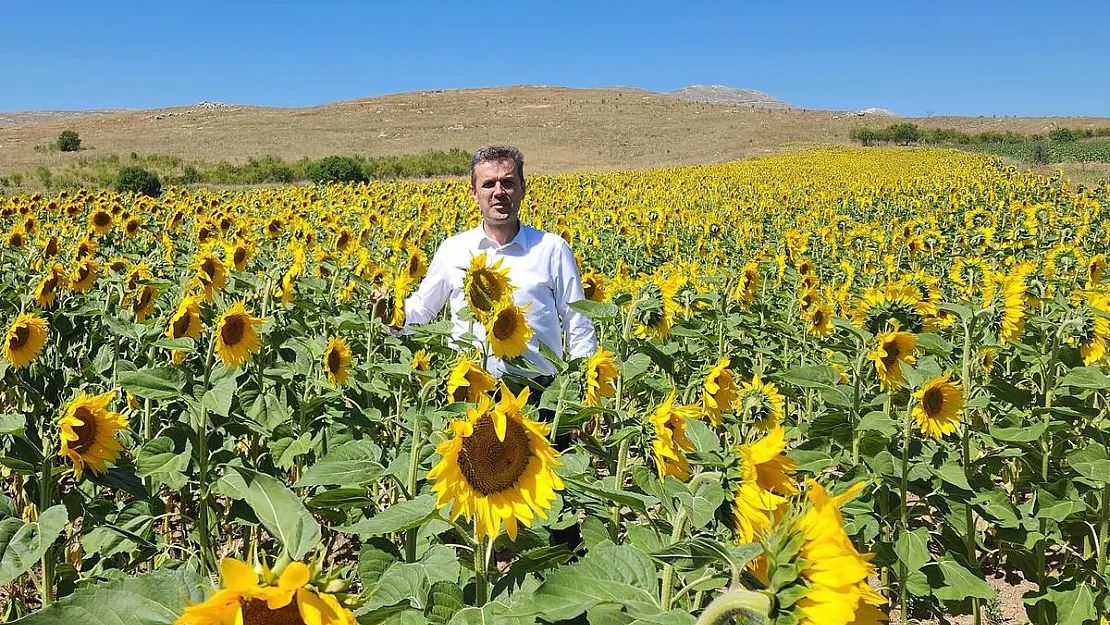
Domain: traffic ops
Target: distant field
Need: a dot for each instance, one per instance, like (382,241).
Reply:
(560,130)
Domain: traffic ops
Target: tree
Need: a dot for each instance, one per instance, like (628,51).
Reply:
(336,169)
(69,141)
(1061,135)
(904,133)
(138,180)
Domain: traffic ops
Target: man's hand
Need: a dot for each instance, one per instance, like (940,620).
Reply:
(380,305)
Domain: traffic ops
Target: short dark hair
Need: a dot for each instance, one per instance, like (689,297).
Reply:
(497,153)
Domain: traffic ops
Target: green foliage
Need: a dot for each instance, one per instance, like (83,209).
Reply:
(336,169)
(1039,153)
(904,133)
(135,179)
(68,141)
(1062,135)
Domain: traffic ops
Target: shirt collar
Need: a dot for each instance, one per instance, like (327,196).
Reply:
(522,239)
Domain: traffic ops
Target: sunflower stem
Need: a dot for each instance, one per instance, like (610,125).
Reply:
(615,514)
(481,581)
(1049,379)
(46,496)
(668,570)
(902,507)
(202,464)
(558,410)
(857,375)
(969,520)
(414,466)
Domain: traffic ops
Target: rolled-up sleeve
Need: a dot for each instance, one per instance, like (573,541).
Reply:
(581,339)
(423,305)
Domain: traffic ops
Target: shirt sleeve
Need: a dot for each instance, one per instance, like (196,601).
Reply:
(429,298)
(581,339)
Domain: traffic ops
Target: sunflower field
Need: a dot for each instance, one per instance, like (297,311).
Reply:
(830,385)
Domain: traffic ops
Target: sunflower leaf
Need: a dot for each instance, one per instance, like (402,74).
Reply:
(1086,377)
(155,598)
(1091,462)
(12,424)
(398,517)
(445,599)
(960,583)
(281,512)
(154,383)
(352,464)
(22,544)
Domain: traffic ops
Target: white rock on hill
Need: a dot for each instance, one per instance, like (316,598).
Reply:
(720,94)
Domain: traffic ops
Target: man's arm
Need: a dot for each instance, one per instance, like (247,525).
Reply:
(423,305)
(578,328)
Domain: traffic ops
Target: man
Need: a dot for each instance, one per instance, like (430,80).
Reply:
(541,266)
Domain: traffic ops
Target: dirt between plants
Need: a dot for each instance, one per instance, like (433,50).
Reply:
(1008,610)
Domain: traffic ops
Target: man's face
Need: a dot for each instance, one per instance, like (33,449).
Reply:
(498,191)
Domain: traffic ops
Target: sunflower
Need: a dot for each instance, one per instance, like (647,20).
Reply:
(186,321)
(497,468)
(337,361)
(670,442)
(100,221)
(132,225)
(211,274)
(26,337)
(85,249)
(508,331)
(593,286)
(236,338)
(468,381)
(486,286)
(820,318)
(891,349)
(762,403)
(973,276)
(84,275)
(416,265)
(1096,269)
(1009,303)
(1095,331)
(421,361)
(142,302)
(88,433)
(766,483)
(47,289)
(834,571)
(899,304)
(17,238)
(51,247)
(718,394)
(238,254)
(285,599)
(601,370)
(939,406)
(655,308)
(744,292)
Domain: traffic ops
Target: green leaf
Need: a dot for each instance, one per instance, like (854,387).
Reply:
(1023,434)
(701,504)
(396,518)
(281,512)
(12,424)
(1075,603)
(1086,377)
(912,548)
(1091,462)
(155,598)
(960,583)
(218,398)
(351,464)
(22,544)
(155,383)
(636,365)
(374,560)
(598,311)
(441,564)
(880,422)
(608,575)
(493,613)
(953,474)
(606,494)
(158,457)
(694,553)
(705,439)
(811,376)
(401,583)
(445,599)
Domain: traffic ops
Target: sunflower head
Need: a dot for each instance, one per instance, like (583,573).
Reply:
(670,441)
(593,286)
(47,290)
(236,337)
(719,391)
(84,275)
(468,381)
(508,331)
(337,361)
(498,468)
(897,306)
(766,480)
(185,322)
(761,403)
(421,361)
(486,287)
(24,339)
(892,348)
(601,370)
(939,406)
(88,433)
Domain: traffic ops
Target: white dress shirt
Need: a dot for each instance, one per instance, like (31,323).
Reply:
(543,270)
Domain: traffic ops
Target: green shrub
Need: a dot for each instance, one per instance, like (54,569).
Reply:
(335,169)
(1039,152)
(68,141)
(904,133)
(138,180)
(1061,135)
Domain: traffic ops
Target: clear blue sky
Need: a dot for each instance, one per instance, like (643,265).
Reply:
(915,58)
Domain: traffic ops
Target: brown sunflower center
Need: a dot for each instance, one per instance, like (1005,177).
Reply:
(86,433)
(932,401)
(892,352)
(101,219)
(145,295)
(48,286)
(589,289)
(181,325)
(83,273)
(232,330)
(256,612)
(490,465)
(19,338)
(335,361)
(414,265)
(209,268)
(240,256)
(818,318)
(504,327)
(51,247)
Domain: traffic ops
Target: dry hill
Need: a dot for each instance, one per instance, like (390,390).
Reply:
(559,129)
